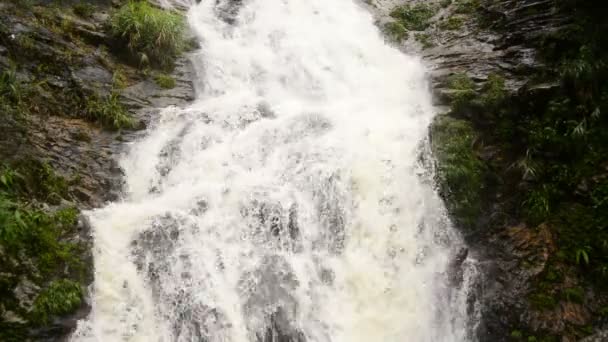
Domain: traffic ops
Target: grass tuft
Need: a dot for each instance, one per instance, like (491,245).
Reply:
(154,36)
(165,81)
(109,112)
(415,18)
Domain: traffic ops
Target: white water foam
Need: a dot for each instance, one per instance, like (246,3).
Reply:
(290,195)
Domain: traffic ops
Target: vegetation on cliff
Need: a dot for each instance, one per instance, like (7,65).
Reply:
(64,83)
(153,36)
(38,254)
(538,159)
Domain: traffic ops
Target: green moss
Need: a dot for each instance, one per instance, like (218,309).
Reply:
(574,294)
(13,332)
(109,112)
(516,334)
(119,79)
(542,301)
(154,36)
(425,40)
(459,170)
(466,6)
(463,92)
(415,18)
(83,9)
(494,91)
(165,81)
(33,232)
(61,297)
(452,24)
(461,82)
(396,31)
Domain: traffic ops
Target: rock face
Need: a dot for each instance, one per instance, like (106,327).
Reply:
(60,63)
(525,291)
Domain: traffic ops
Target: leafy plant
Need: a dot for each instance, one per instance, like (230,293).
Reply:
(452,24)
(109,112)
(83,9)
(10,88)
(459,169)
(165,81)
(154,36)
(59,298)
(416,17)
(467,6)
(425,40)
(396,31)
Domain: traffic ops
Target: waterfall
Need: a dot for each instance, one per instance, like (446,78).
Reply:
(292,201)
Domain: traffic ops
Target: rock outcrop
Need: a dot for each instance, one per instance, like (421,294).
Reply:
(58,60)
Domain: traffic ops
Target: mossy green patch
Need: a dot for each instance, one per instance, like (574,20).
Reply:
(395,31)
(452,23)
(165,81)
(109,112)
(543,301)
(83,9)
(459,170)
(414,17)
(153,36)
(466,6)
(425,39)
(61,297)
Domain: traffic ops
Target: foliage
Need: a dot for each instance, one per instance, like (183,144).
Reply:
(466,6)
(83,9)
(459,169)
(415,18)
(119,79)
(543,301)
(557,142)
(59,298)
(154,36)
(36,239)
(452,23)
(396,31)
(425,40)
(165,81)
(109,112)
(462,92)
(10,90)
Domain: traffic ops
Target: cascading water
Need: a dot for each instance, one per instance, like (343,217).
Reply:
(289,202)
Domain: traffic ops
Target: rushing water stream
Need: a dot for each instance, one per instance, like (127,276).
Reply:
(289,202)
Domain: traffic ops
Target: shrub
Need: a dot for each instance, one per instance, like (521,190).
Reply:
(494,92)
(467,6)
(154,36)
(10,89)
(459,169)
(463,92)
(413,17)
(445,3)
(109,112)
(61,297)
(425,40)
(452,24)
(396,31)
(83,9)
(165,81)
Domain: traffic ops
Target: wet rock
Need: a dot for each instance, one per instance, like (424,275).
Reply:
(228,9)
(146,97)
(280,329)
(601,336)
